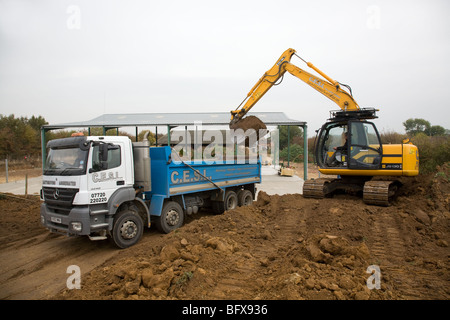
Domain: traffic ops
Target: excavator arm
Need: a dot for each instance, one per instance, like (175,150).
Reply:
(328,87)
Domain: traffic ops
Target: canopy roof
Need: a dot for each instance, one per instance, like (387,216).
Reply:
(172,119)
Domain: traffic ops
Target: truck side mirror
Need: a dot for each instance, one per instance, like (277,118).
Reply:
(103,152)
(84,145)
(103,156)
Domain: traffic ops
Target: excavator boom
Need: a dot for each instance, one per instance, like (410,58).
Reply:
(328,87)
(334,92)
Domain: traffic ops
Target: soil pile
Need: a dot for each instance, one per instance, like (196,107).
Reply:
(282,247)
(287,247)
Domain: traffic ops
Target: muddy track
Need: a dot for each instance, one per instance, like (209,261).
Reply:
(392,254)
(33,261)
(36,268)
(387,235)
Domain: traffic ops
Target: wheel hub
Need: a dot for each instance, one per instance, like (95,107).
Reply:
(128,230)
(248,200)
(231,203)
(172,218)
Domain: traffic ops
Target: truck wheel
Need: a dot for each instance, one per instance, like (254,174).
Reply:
(230,202)
(172,217)
(128,228)
(245,198)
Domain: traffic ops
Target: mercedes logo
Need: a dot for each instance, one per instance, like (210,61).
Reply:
(56,194)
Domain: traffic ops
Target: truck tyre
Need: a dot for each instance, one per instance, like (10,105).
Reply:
(172,217)
(245,198)
(230,202)
(128,229)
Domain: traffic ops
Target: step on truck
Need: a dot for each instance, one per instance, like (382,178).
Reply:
(110,187)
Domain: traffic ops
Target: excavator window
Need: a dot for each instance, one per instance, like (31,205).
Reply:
(363,149)
(365,146)
(332,150)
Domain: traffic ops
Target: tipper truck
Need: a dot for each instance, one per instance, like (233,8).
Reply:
(110,187)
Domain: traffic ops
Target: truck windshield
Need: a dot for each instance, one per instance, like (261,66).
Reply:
(66,162)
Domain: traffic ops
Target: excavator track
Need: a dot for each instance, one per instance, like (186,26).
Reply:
(317,188)
(379,192)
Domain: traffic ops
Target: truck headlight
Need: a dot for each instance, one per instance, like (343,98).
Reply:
(76,226)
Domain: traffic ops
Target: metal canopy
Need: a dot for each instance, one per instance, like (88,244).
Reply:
(172,119)
(110,121)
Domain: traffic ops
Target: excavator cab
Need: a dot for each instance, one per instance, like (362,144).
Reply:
(359,160)
(349,141)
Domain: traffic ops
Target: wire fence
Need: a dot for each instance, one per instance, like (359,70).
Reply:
(18,169)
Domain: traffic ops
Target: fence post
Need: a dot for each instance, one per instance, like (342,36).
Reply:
(305,153)
(26,185)
(6,166)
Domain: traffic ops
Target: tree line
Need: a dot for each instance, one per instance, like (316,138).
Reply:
(415,126)
(20,137)
(432,141)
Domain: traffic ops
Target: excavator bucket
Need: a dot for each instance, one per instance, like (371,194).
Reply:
(250,122)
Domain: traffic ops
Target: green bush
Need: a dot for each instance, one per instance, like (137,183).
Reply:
(295,153)
(433,151)
(393,137)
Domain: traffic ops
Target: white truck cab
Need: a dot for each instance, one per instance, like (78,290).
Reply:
(85,180)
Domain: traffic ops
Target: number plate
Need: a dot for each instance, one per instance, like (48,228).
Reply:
(55,219)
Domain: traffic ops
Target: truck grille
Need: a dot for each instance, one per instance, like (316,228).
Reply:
(59,199)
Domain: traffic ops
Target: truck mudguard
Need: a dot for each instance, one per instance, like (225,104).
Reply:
(120,196)
(156,204)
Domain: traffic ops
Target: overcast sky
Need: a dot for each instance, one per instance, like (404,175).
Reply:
(75,60)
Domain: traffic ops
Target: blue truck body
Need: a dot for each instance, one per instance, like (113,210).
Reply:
(171,178)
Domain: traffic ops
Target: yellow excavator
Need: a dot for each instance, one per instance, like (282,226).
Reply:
(347,145)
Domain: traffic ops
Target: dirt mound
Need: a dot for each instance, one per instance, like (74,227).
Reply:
(287,247)
(431,191)
(282,247)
